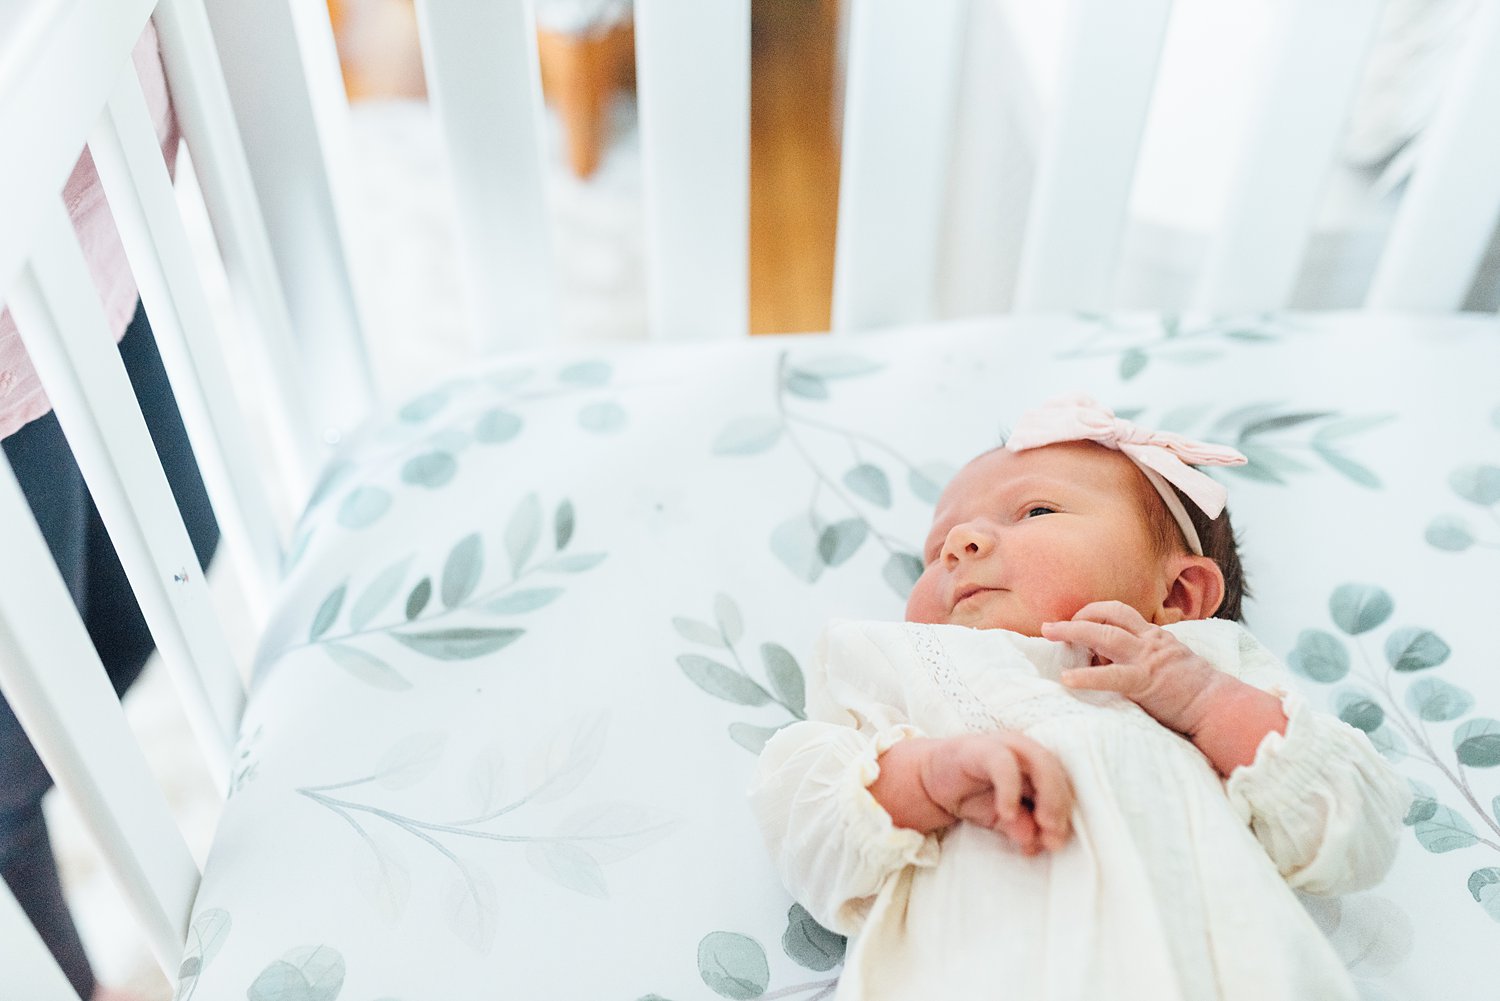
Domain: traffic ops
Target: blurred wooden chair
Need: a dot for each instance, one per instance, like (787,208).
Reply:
(581,73)
(586,47)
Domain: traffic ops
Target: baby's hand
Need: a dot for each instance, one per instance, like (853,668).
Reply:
(1141,661)
(1004,781)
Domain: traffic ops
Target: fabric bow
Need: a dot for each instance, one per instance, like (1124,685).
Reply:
(1172,456)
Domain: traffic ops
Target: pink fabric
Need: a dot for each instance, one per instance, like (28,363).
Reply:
(1079,418)
(21,397)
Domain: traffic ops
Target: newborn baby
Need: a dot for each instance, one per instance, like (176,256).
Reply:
(1071,773)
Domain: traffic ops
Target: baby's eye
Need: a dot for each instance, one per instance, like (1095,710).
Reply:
(1040,509)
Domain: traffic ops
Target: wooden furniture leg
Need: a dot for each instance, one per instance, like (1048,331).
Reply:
(580,74)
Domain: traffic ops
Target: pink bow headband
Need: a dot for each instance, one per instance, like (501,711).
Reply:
(1164,457)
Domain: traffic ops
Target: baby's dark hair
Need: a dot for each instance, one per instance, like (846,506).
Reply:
(1219,545)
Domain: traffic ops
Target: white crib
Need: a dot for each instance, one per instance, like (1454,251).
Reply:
(255,87)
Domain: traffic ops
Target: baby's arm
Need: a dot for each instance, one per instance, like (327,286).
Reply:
(855,793)
(1225,717)
(832,843)
(1004,781)
(1325,806)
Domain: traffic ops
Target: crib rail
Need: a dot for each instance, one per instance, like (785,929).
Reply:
(1450,211)
(282,79)
(485,84)
(1319,52)
(77,81)
(896,161)
(693,73)
(903,73)
(30,970)
(75,722)
(1088,156)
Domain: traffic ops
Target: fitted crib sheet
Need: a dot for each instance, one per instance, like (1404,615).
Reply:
(537,622)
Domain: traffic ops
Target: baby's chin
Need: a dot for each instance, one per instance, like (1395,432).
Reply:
(986,610)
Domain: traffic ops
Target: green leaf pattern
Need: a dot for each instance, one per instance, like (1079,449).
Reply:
(1404,726)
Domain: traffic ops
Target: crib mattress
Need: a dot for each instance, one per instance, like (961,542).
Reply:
(538,621)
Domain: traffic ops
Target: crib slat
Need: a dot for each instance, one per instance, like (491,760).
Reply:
(1088,156)
(145,211)
(281,70)
(482,69)
(58,688)
(693,90)
(1452,202)
(1305,95)
(54,78)
(201,102)
(63,328)
(29,968)
(904,62)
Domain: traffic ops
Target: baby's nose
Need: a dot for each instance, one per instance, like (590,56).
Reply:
(967,541)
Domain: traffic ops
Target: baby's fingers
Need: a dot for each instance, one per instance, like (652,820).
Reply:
(1023,832)
(1052,793)
(1104,678)
(1107,641)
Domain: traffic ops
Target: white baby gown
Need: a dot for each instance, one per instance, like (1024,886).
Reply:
(1175,883)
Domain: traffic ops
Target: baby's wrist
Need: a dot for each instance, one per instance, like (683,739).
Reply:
(900,791)
(1235,723)
(1212,697)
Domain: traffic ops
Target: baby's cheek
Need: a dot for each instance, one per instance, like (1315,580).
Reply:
(1061,605)
(925,603)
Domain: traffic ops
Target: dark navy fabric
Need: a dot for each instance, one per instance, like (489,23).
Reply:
(39,456)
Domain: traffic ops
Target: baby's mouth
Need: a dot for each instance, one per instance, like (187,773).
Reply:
(968,591)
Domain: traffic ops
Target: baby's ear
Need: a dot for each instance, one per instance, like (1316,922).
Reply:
(1196,592)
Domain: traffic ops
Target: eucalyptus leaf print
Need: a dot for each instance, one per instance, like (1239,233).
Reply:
(1320,656)
(848,503)
(423,407)
(733,965)
(748,436)
(246,760)
(311,973)
(328,612)
(1282,443)
(464,585)
(1484,887)
(725,676)
(869,482)
(461,570)
(1408,726)
(523,532)
(425,446)
(571,853)
(586,373)
(809,943)
(458,642)
(497,426)
(367,667)
(605,417)
(430,469)
(363,507)
(205,937)
(562,525)
(378,593)
(1479,485)
(1135,343)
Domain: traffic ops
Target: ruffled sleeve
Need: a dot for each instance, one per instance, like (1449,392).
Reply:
(833,845)
(1323,803)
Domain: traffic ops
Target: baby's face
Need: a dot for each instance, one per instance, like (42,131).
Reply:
(1023,538)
